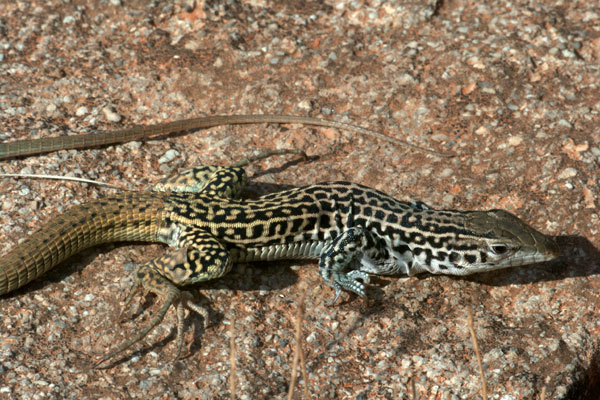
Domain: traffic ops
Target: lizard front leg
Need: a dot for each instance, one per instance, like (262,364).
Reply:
(355,248)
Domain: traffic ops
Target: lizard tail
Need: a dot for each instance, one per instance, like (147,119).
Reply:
(119,218)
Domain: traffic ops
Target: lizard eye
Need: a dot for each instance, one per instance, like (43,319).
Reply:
(499,249)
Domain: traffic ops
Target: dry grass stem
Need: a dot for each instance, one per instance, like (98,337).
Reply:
(62,178)
(232,359)
(478,354)
(298,353)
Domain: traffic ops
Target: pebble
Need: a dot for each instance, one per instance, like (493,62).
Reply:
(81,111)
(168,156)
(563,123)
(111,115)
(515,140)
(89,297)
(567,173)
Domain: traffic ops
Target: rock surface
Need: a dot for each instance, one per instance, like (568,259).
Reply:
(510,87)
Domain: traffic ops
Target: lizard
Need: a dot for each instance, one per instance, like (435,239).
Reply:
(352,230)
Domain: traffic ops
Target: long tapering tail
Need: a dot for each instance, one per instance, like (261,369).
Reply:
(126,217)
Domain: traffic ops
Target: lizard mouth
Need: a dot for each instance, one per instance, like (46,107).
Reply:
(554,249)
(547,246)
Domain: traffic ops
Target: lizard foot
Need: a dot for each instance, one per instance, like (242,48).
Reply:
(349,282)
(150,280)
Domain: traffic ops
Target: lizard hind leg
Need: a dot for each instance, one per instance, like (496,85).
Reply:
(212,180)
(150,280)
(225,182)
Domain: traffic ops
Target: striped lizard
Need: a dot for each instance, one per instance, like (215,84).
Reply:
(352,230)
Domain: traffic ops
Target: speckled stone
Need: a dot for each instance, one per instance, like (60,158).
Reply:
(511,88)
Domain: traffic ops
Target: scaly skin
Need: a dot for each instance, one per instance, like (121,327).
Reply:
(45,145)
(126,217)
(353,230)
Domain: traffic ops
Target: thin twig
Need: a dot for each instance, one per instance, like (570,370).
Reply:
(303,365)
(478,354)
(299,341)
(232,359)
(63,178)
(298,351)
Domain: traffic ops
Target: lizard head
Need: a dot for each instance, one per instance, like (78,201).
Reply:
(506,241)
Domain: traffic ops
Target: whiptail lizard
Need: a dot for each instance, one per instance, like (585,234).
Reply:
(351,229)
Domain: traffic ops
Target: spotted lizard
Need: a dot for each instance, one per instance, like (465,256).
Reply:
(352,230)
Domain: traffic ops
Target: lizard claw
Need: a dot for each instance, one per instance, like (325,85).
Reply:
(351,283)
